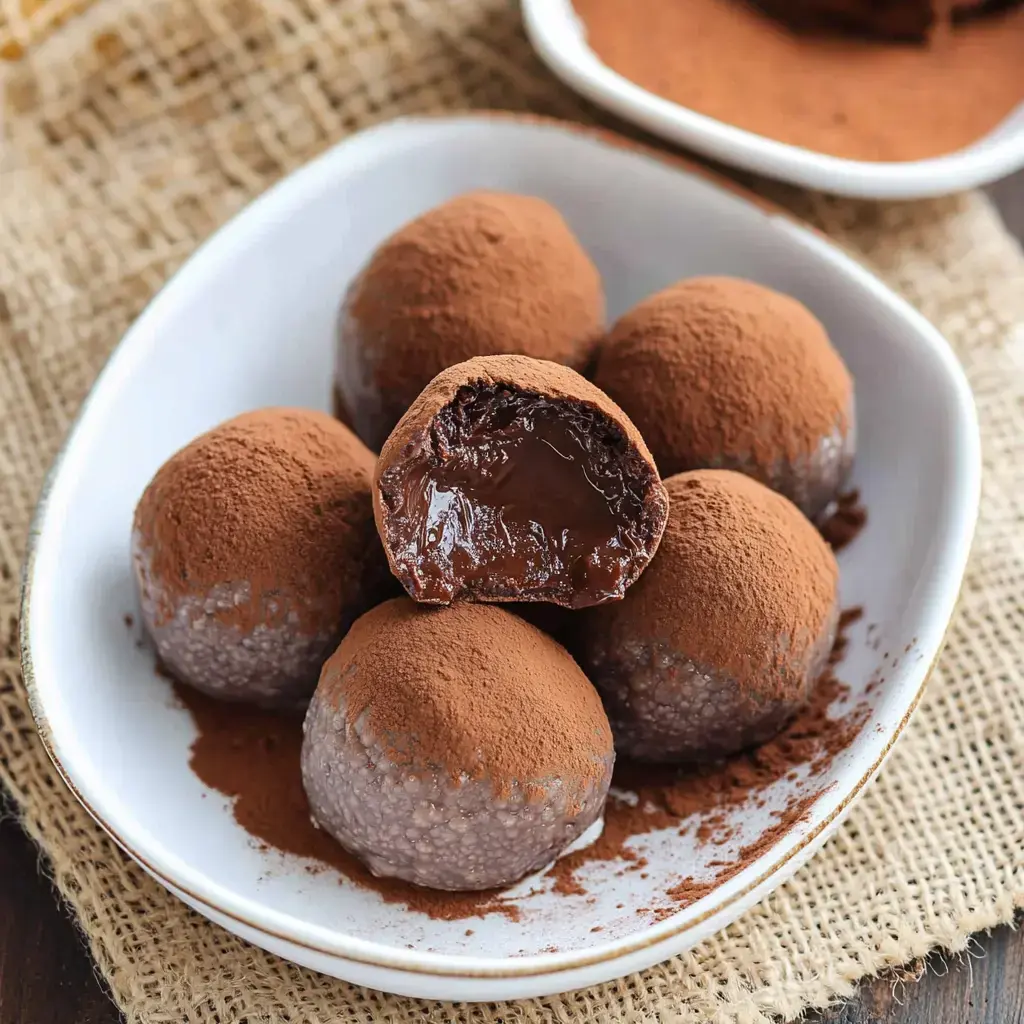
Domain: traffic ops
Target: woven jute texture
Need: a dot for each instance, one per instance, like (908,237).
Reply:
(131,133)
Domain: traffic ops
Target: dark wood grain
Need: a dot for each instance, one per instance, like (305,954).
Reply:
(46,976)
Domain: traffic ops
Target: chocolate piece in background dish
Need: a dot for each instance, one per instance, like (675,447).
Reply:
(457,748)
(717,372)
(968,12)
(723,638)
(909,21)
(895,20)
(486,273)
(515,479)
(254,550)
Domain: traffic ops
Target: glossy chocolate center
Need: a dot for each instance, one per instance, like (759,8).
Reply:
(518,496)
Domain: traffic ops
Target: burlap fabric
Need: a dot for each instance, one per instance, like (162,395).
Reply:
(140,126)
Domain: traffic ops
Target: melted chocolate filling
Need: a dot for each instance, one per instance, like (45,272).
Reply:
(518,496)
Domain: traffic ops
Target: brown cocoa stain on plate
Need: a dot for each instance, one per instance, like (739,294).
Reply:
(252,756)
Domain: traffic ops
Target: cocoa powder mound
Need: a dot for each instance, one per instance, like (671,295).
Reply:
(720,372)
(474,689)
(486,273)
(855,98)
(279,498)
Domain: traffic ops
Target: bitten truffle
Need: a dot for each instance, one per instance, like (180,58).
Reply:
(723,637)
(457,748)
(514,479)
(254,550)
(722,373)
(483,274)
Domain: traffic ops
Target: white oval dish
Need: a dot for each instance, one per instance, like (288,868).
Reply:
(559,37)
(248,322)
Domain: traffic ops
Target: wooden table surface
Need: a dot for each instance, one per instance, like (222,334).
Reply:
(46,976)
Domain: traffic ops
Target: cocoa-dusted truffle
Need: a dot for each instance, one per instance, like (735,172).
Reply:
(722,373)
(483,274)
(254,550)
(723,637)
(514,479)
(457,748)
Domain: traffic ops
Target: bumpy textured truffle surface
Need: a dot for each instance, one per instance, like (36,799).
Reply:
(486,273)
(254,550)
(514,479)
(723,637)
(458,748)
(722,373)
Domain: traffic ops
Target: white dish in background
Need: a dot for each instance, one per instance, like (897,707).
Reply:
(559,37)
(248,322)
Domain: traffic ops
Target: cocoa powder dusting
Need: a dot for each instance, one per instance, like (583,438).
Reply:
(738,563)
(485,273)
(849,97)
(474,688)
(844,521)
(276,497)
(762,380)
(252,756)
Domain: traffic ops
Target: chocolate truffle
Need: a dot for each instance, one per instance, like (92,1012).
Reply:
(722,373)
(514,479)
(483,274)
(456,748)
(255,549)
(723,637)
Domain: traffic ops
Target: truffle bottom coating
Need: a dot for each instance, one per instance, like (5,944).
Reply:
(274,664)
(665,707)
(811,482)
(425,827)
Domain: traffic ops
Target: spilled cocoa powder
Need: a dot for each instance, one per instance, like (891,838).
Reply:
(848,97)
(252,756)
(668,795)
(844,521)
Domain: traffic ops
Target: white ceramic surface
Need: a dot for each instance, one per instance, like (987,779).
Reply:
(248,322)
(559,37)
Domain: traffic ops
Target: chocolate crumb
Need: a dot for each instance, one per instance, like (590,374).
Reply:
(844,520)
